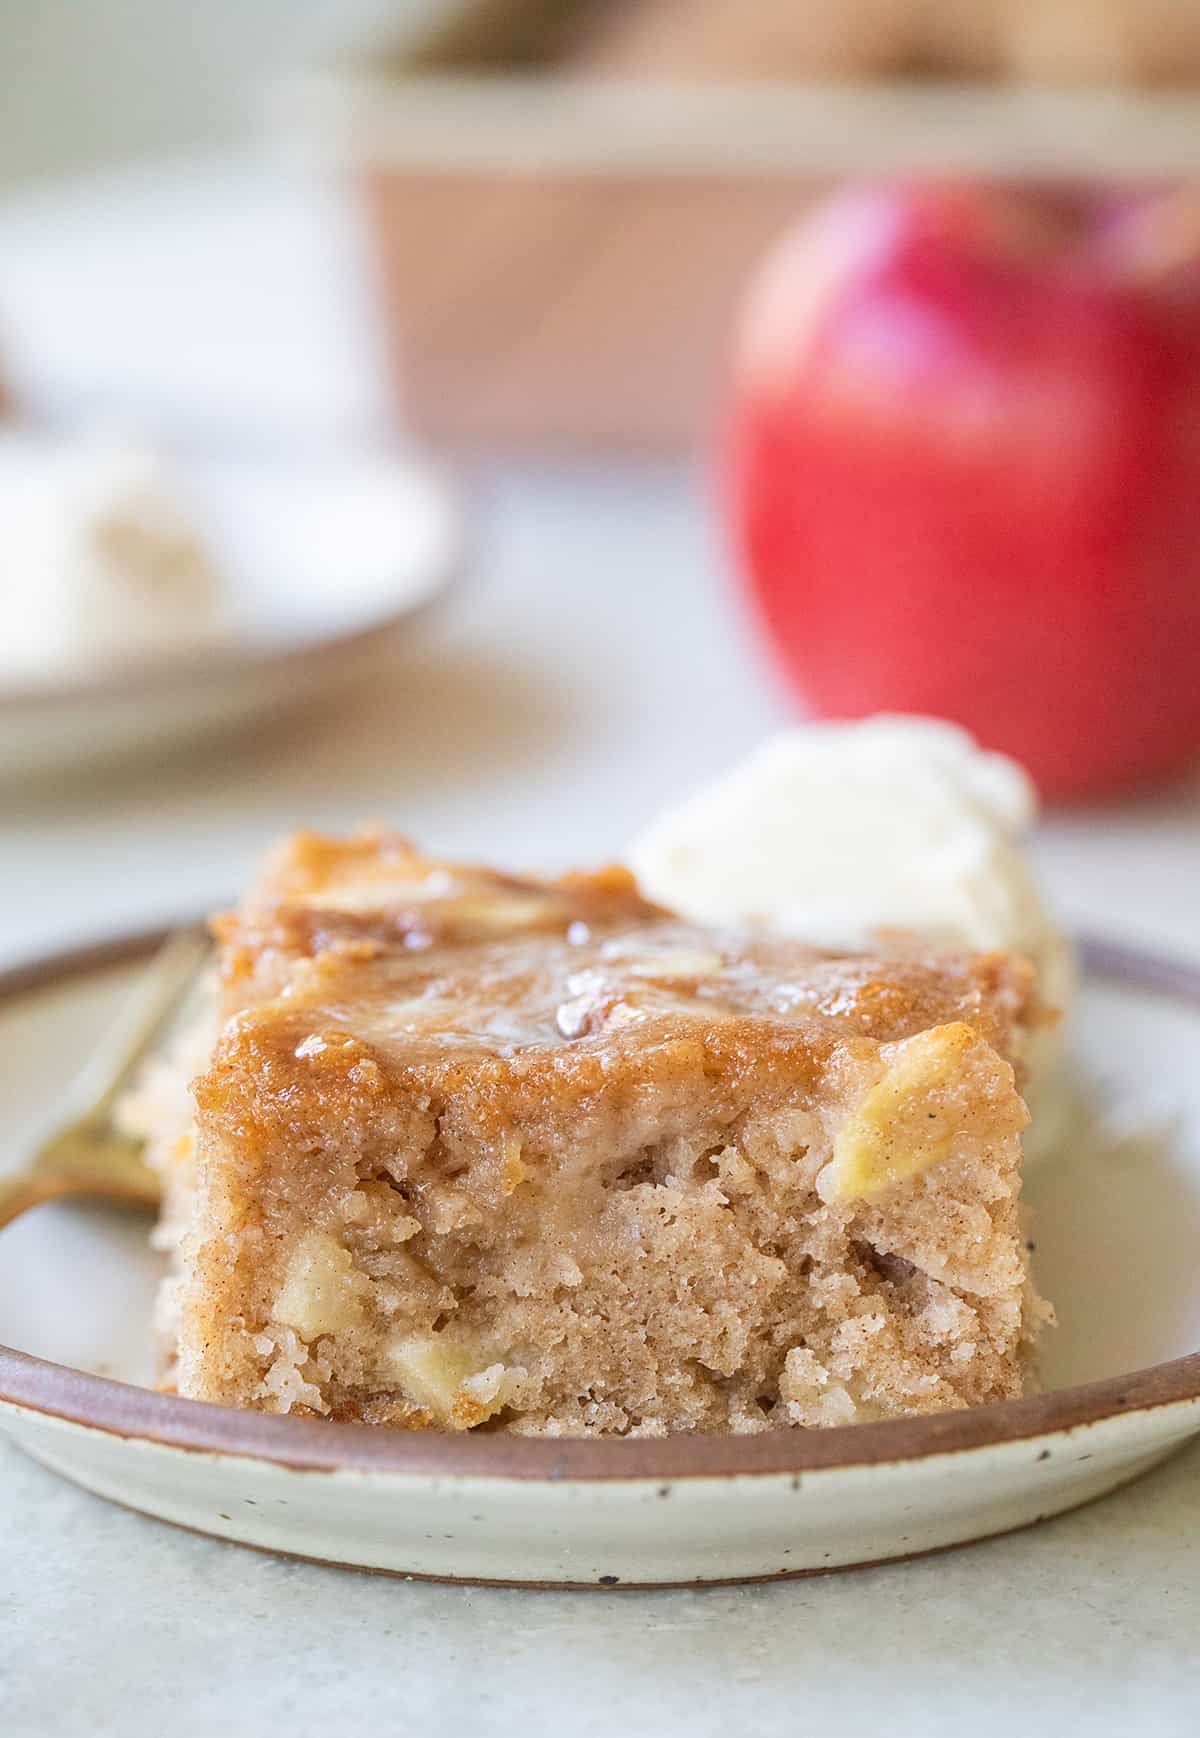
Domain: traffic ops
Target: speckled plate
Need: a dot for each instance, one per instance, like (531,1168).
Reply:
(1118,1227)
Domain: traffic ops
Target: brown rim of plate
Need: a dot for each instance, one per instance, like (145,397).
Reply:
(122,1409)
(237,657)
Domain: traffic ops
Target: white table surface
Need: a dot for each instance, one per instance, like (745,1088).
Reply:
(592,664)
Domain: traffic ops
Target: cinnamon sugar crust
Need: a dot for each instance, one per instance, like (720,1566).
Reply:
(474,1150)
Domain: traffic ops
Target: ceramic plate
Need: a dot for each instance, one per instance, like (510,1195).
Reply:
(325,560)
(1118,1226)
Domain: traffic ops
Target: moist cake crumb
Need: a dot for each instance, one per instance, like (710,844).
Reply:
(480,1151)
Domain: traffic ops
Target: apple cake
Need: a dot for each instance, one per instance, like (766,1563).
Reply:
(473,1150)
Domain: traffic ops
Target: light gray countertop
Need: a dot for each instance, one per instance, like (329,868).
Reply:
(110,1623)
(592,664)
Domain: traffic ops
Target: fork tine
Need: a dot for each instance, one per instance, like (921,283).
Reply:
(162,990)
(84,1154)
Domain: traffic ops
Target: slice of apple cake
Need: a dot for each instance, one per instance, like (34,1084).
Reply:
(477,1150)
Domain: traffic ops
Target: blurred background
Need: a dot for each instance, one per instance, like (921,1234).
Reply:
(124,80)
(495,416)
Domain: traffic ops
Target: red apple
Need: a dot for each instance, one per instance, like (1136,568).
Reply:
(962,468)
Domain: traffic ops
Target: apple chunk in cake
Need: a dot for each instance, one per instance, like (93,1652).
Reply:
(476,1150)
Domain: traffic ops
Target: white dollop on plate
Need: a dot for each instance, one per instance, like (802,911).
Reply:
(273,579)
(104,558)
(837,833)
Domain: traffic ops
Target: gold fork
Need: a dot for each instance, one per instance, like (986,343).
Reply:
(87,1154)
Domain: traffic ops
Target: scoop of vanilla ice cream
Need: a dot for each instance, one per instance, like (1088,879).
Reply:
(102,559)
(836,833)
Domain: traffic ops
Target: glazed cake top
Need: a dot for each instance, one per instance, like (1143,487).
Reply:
(422,961)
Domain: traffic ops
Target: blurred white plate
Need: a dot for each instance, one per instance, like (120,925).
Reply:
(1117,1227)
(326,559)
